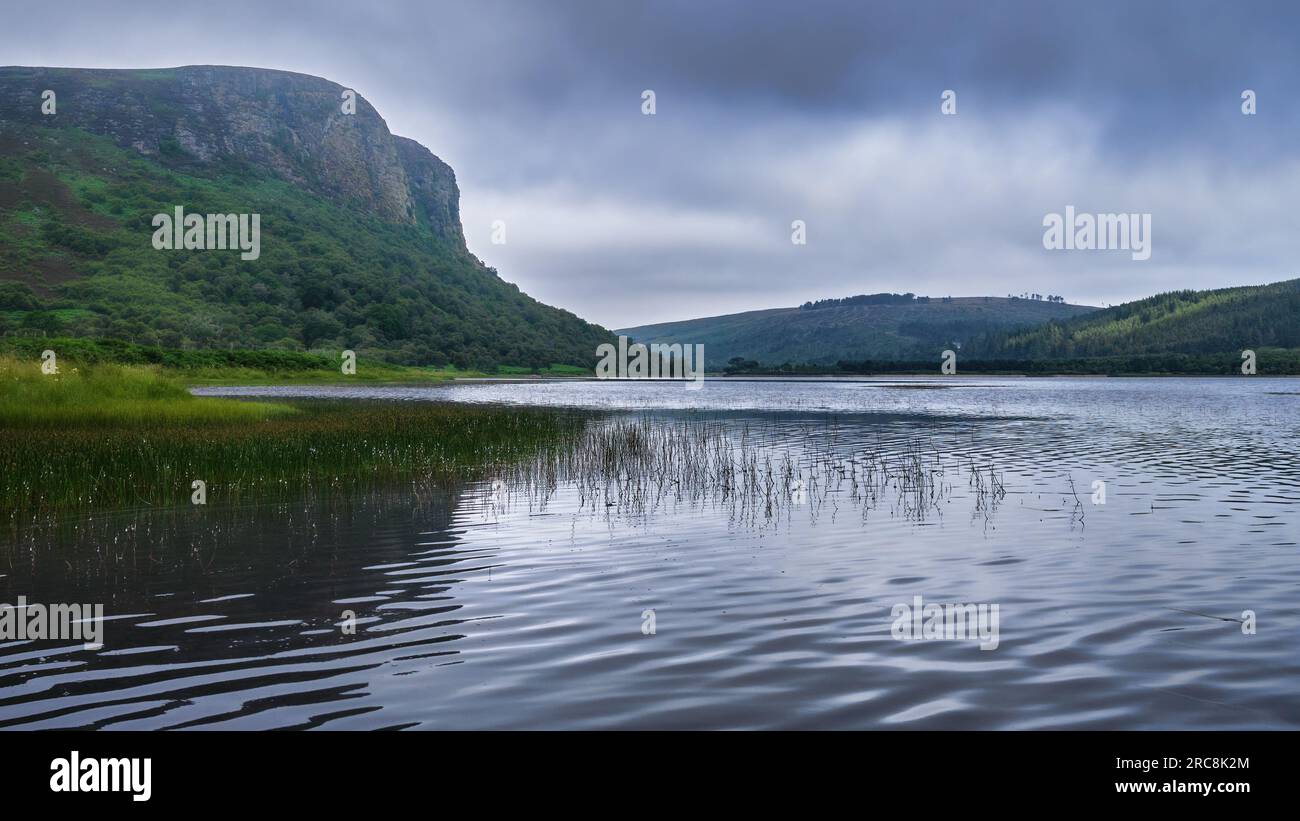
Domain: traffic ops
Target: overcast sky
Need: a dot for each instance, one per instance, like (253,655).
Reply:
(769,112)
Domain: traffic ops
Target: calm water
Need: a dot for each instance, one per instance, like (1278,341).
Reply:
(521,604)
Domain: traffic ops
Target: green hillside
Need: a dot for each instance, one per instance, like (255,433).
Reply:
(361,245)
(876,327)
(1227,320)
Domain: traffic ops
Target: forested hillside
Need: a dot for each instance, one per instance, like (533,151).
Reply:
(1187,322)
(361,244)
(877,326)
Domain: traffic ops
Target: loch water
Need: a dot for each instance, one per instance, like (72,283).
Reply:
(1140,538)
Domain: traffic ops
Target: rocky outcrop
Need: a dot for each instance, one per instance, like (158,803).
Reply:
(292,125)
(433,184)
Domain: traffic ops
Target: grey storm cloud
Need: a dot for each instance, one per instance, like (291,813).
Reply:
(770,112)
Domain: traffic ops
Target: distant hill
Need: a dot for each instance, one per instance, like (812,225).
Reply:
(1227,320)
(361,241)
(875,327)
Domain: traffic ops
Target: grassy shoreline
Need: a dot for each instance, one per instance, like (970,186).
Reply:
(107,436)
(215,366)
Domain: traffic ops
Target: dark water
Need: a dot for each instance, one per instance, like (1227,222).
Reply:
(516,603)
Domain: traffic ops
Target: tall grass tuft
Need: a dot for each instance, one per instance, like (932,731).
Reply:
(638,466)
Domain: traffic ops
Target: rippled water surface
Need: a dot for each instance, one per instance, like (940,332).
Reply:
(522,601)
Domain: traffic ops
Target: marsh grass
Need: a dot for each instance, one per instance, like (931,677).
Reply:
(113,437)
(323,445)
(639,466)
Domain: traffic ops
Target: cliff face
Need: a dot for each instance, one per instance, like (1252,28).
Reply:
(291,125)
(433,185)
